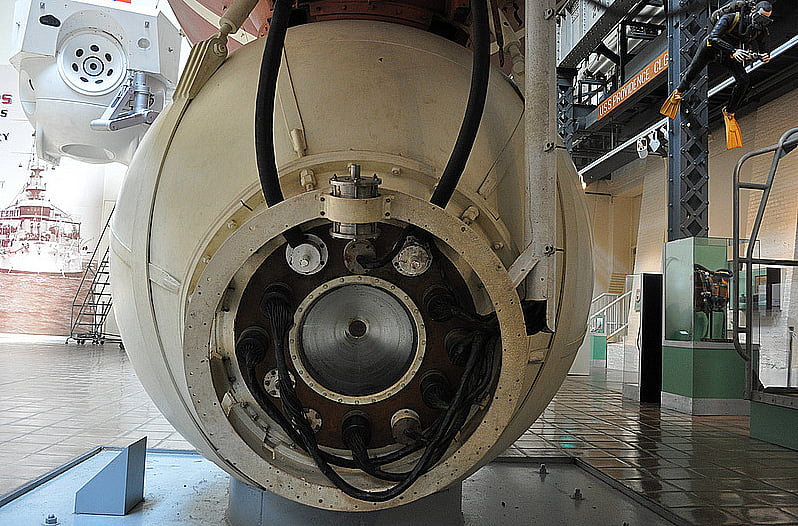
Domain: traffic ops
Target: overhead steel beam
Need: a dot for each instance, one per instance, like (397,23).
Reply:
(584,26)
(591,171)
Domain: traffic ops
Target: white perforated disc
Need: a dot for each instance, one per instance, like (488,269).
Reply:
(92,62)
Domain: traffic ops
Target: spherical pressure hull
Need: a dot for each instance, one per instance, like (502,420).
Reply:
(194,247)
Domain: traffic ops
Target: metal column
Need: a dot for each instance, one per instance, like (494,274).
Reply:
(688,151)
(541,155)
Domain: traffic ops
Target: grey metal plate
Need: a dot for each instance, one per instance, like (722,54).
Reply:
(182,488)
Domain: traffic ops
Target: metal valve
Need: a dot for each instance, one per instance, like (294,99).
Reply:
(353,186)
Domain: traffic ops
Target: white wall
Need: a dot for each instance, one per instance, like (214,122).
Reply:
(777,238)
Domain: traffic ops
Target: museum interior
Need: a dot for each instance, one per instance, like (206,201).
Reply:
(398,262)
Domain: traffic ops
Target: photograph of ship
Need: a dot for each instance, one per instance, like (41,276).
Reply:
(35,235)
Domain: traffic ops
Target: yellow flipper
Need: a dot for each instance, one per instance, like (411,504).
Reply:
(734,136)
(671,105)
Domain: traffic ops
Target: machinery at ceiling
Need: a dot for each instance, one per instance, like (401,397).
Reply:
(310,261)
(92,76)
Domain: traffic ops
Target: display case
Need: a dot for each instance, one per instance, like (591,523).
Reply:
(697,289)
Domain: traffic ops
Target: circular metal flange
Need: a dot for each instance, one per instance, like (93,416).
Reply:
(413,260)
(355,248)
(296,477)
(92,62)
(309,257)
(314,418)
(357,356)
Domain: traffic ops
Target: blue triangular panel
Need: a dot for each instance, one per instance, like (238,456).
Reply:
(118,486)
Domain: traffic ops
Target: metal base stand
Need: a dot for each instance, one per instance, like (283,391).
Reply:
(250,506)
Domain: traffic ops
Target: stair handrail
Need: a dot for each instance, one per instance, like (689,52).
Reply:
(612,303)
(616,314)
(598,302)
(74,320)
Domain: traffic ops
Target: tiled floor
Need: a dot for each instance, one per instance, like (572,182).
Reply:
(58,401)
(705,470)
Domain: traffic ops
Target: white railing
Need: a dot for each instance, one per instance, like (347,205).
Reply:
(601,301)
(615,315)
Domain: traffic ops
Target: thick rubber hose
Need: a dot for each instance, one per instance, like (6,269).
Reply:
(474,108)
(264,112)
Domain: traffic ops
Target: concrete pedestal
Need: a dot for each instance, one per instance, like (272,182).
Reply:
(254,507)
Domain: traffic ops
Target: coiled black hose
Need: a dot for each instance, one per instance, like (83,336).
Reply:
(264,112)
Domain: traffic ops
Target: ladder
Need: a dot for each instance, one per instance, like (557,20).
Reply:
(92,303)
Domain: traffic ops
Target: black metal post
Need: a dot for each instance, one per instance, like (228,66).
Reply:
(688,147)
(566,119)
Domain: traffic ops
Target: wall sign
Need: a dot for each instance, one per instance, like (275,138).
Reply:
(646,75)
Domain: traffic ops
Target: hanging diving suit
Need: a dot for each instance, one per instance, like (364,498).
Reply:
(735,38)
(732,31)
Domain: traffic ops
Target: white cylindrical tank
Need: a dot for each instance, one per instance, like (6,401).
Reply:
(197,256)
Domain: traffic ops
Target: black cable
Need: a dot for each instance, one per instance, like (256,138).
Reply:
(476,104)
(360,453)
(264,112)
(276,307)
(431,455)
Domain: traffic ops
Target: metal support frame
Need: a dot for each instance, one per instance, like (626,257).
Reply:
(131,106)
(745,264)
(566,119)
(688,153)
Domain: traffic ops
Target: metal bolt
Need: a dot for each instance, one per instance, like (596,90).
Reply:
(548,13)
(51,519)
(396,170)
(577,494)
(543,470)
(220,49)
(498,245)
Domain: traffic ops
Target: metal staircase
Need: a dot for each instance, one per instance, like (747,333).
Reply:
(613,308)
(92,303)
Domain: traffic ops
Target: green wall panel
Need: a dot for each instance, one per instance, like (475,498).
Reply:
(718,373)
(598,347)
(702,373)
(677,370)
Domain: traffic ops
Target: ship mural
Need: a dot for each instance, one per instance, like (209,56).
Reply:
(35,235)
